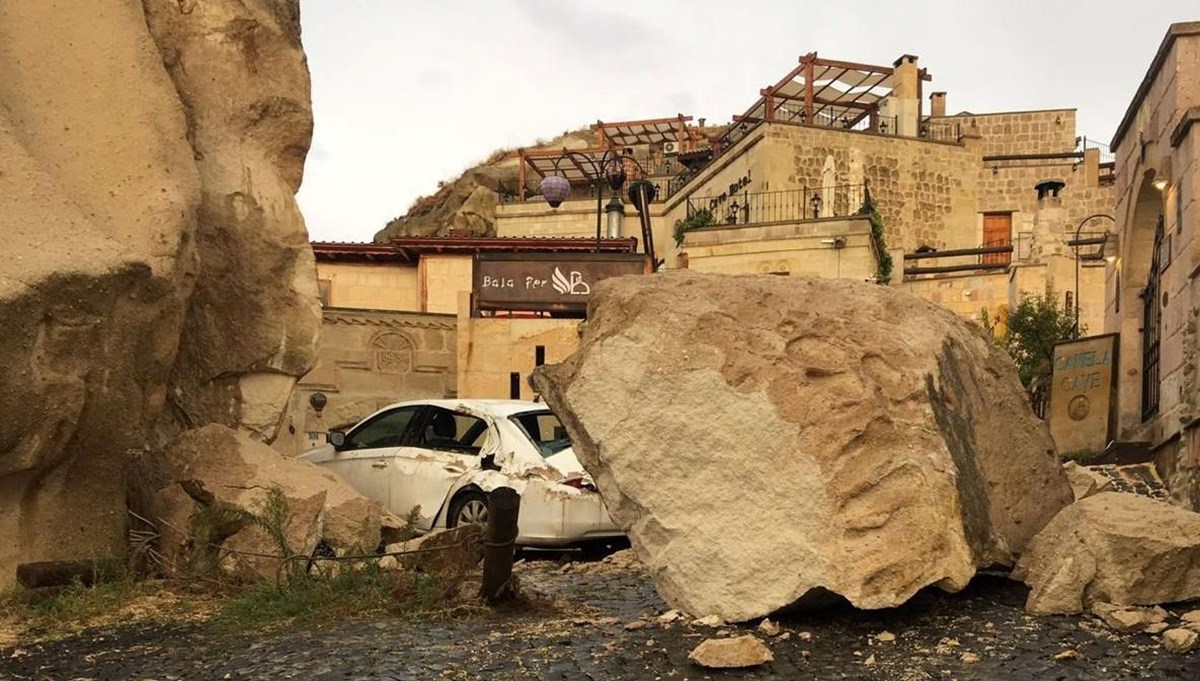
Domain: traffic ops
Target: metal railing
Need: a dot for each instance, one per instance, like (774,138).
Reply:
(941,131)
(1106,154)
(749,208)
(580,192)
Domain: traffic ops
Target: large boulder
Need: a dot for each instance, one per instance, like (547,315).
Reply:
(156,273)
(220,495)
(763,438)
(1113,548)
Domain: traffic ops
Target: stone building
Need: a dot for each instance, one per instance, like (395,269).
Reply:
(1152,297)
(393,330)
(974,210)
(783,185)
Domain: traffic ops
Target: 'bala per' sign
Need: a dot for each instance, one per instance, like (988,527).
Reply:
(546,281)
(1081,394)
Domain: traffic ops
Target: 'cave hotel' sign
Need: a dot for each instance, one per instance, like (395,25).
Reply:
(546,281)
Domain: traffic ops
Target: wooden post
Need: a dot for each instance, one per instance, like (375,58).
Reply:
(504,505)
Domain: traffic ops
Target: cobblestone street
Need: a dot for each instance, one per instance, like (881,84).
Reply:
(981,633)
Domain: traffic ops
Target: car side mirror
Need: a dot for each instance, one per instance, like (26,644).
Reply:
(336,438)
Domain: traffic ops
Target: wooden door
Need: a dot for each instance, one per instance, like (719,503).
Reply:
(997,231)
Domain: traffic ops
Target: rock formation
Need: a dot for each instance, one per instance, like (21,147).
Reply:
(1116,548)
(764,439)
(468,203)
(156,273)
(213,469)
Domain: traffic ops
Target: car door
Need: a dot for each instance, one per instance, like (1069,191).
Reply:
(445,447)
(366,459)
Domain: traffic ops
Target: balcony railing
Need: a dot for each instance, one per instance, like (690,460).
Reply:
(983,258)
(749,208)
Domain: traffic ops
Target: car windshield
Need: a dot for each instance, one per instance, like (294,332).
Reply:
(545,431)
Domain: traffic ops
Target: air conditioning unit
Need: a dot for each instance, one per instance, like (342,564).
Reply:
(670,148)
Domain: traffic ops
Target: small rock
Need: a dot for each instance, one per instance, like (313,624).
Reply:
(1067,655)
(581,621)
(607,621)
(969,658)
(885,637)
(768,628)
(708,621)
(785,636)
(1156,628)
(946,645)
(870,661)
(804,636)
(1192,617)
(650,643)
(1126,619)
(1179,640)
(634,625)
(670,616)
(731,653)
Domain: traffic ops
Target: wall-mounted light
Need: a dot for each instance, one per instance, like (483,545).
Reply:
(1161,184)
(318,401)
(1111,246)
(836,242)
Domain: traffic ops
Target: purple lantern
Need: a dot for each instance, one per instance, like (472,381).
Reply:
(555,188)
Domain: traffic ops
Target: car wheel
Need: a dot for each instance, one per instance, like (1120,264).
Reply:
(468,508)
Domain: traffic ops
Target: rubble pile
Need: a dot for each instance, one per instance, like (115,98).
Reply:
(215,486)
(769,440)
(1115,548)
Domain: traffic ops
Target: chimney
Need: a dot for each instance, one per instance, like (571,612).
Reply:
(903,102)
(906,76)
(937,104)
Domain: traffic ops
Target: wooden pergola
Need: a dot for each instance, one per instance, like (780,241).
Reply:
(827,92)
(611,136)
(624,134)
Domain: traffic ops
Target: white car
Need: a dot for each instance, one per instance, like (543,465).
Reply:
(443,456)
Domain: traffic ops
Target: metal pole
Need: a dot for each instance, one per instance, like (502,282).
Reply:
(1076,248)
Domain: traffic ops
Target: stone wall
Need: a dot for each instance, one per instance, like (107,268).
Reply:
(443,277)
(491,349)
(368,360)
(794,249)
(1008,187)
(1019,132)
(391,286)
(1156,144)
(926,191)
(966,295)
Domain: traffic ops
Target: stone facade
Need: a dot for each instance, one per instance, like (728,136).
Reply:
(369,286)
(1018,132)
(492,349)
(831,248)
(1157,147)
(369,359)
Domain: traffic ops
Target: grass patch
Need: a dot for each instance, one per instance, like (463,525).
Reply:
(362,591)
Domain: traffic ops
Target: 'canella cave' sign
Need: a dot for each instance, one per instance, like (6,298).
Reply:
(546,281)
(1081,394)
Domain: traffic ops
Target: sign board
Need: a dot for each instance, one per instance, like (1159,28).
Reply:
(546,281)
(1083,394)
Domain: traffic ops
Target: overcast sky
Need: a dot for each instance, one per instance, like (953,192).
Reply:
(410,92)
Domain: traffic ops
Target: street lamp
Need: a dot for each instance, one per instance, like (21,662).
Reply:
(608,169)
(615,210)
(1075,245)
(816,205)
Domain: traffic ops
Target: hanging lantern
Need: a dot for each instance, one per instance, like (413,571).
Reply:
(614,173)
(641,193)
(555,188)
